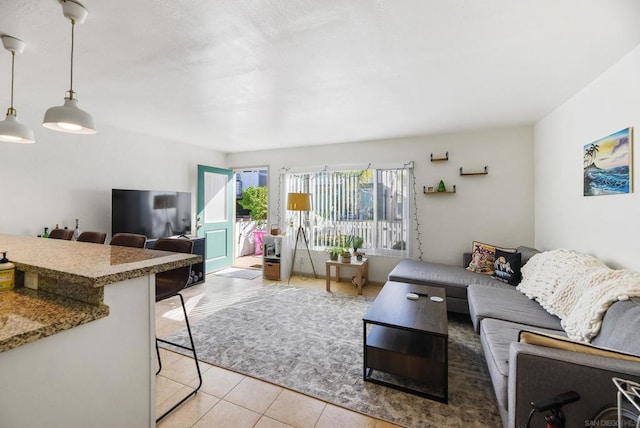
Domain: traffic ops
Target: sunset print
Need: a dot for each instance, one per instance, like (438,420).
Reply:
(607,164)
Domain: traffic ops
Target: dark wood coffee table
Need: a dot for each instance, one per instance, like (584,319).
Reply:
(407,341)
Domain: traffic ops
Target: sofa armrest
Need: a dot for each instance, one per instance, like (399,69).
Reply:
(537,372)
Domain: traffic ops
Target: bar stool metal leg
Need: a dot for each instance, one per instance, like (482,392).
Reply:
(159,360)
(195,358)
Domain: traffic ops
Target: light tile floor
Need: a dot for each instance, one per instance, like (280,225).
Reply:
(229,399)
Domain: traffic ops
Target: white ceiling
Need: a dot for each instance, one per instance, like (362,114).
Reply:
(240,75)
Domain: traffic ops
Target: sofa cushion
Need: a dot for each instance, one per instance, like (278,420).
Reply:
(507,304)
(620,327)
(527,253)
(455,279)
(550,272)
(496,337)
(578,288)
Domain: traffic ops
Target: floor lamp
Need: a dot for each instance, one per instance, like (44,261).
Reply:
(300,202)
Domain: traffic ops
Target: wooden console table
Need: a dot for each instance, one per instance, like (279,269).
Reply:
(362,271)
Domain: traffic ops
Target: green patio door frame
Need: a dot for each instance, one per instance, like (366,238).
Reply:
(215,215)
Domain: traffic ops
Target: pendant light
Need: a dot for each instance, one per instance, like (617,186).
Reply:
(11,130)
(69,117)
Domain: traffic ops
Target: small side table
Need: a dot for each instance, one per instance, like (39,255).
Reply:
(361,267)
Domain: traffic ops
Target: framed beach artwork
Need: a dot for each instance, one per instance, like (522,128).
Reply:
(608,164)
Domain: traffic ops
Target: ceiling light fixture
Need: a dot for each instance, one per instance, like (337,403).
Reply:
(11,130)
(69,117)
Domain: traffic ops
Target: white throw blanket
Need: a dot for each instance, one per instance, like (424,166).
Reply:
(577,288)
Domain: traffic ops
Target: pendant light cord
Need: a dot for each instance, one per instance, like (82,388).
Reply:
(73,26)
(13,61)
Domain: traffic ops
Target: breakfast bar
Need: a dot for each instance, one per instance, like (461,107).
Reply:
(77,334)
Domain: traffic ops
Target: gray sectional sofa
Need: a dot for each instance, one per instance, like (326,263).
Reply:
(454,279)
(523,372)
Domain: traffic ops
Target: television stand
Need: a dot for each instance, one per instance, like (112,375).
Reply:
(197,274)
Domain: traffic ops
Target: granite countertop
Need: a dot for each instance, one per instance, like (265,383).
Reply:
(87,263)
(71,277)
(28,315)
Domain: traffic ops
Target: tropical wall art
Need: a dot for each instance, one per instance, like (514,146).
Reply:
(608,164)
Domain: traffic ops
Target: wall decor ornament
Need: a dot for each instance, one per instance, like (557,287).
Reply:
(608,164)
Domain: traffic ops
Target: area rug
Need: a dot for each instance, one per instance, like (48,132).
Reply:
(239,273)
(310,341)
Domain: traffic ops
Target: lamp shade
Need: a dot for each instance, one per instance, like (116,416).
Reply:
(13,131)
(69,118)
(299,201)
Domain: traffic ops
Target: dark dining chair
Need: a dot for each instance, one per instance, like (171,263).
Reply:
(65,234)
(169,284)
(95,237)
(129,240)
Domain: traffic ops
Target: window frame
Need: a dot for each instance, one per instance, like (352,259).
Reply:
(322,229)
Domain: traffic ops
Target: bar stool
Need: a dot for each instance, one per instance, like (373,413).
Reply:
(65,234)
(169,284)
(129,240)
(95,237)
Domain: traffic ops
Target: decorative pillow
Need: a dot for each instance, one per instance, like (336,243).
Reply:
(560,342)
(507,266)
(482,258)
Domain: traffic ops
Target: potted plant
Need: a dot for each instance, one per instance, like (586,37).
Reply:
(356,242)
(334,252)
(346,255)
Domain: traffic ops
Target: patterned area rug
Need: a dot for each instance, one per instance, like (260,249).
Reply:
(311,341)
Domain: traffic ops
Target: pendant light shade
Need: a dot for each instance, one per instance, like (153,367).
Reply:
(11,130)
(69,117)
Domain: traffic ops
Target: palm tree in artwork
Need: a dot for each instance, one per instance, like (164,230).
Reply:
(590,155)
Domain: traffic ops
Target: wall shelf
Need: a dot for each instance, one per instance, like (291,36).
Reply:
(440,159)
(485,172)
(434,192)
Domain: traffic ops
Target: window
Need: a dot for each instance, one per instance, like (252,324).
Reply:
(372,204)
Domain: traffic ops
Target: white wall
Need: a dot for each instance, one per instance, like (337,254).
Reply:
(496,208)
(605,226)
(64,176)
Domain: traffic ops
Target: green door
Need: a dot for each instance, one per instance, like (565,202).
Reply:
(215,215)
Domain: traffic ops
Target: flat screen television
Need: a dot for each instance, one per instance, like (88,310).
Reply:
(155,214)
